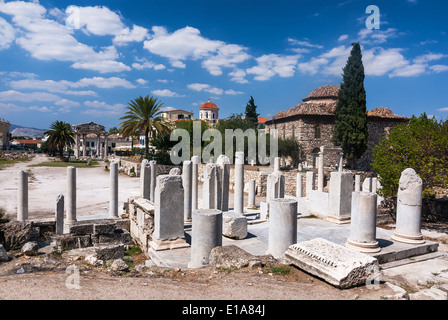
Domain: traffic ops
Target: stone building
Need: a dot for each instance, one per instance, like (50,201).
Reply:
(176,115)
(209,112)
(312,121)
(5,136)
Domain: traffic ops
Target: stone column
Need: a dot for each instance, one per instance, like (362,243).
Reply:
(340,161)
(282,226)
(98,146)
(320,173)
(238,191)
(224,171)
(251,200)
(299,185)
(363,223)
(275,186)
(71,195)
(206,234)
(59,214)
(113,204)
(357,183)
(187,184)
(84,145)
(77,146)
(22,197)
(106,142)
(145,179)
(409,208)
(310,182)
(340,197)
(168,214)
(194,184)
(211,188)
(153,165)
(374,184)
(367,185)
(277,161)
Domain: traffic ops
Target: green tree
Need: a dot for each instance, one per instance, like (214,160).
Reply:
(289,147)
(114,130)
(421,144)
(144,115)
(350,130)
(251,112)
(60,135)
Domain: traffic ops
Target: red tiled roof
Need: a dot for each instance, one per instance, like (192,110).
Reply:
(329,91)
(25,141)
(262,120)
(308,108)
(383,112)
(209,105)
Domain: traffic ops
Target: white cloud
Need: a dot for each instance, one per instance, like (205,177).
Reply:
(67,103)
(313,66)
(205,87)
(7,34)
(233,92)
(148,65)
(379,61)
(40,109)
(188,43)
(442,109)
(137,34)
(304,43)
(238,76)
(7,108)
(374,36)
(48,40)
(64,86)
(141,81)
(165,93)
(439,68)
(410,70)
(343,37)
(101,108)
(100,21)
(13,95)
(429,57)
(274,64)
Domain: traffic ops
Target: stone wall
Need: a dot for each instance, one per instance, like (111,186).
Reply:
(303,127)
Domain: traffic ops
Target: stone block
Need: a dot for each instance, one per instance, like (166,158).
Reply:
(3,254)
(234,257)
(80,229)
(119,236)
(69,242)
(234,225)
(109,252)
(340,266)
(124,224)
(104,228)
(30,248)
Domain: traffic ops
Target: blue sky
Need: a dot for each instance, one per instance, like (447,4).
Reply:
(82,61)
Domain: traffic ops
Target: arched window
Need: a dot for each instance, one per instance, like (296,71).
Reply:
(317,132)
(213,115)
(206,115)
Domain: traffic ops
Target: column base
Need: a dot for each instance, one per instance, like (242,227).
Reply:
(367,247)
(159,245)
(408,239)
(339,219)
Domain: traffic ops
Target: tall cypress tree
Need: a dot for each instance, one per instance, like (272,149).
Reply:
(350,131)
(251,111)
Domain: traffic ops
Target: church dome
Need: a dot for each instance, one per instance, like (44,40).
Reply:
(328,91)
(209,105)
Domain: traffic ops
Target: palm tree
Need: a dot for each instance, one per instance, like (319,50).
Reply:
(60,135)
(144,115)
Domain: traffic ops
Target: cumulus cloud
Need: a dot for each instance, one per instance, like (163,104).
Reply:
(47,39)
(188,43)
(166,93)
(101,108)
(274,64)
(148,65)
(65,86)
(7,34)
(238,75)
(233,92)
(205,87)
(13,95)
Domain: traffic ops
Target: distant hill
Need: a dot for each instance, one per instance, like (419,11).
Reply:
(19,131)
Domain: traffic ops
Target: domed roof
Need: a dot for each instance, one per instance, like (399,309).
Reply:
(329,91)
(383,112)
(209,105)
